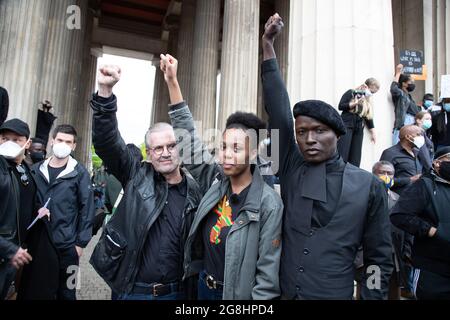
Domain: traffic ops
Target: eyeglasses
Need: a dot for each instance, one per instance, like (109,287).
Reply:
(23,178)
(159,150)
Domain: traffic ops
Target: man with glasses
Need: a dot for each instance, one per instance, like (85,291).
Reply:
(17,201)
(140,253)
(423,211)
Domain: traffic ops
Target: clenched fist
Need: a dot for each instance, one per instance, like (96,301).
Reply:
(169,66)
(108,76)
(273,27)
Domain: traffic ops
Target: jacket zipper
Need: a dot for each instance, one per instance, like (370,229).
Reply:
(17,208)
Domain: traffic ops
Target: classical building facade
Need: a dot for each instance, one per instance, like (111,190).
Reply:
(49,51)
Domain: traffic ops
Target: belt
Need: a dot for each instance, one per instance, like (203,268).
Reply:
(157,289)
(212,283)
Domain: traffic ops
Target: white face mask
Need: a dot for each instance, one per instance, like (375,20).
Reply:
(61,150)
(368,93)
(419,141)
(11,150)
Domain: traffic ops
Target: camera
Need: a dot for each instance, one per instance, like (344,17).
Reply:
(359,93)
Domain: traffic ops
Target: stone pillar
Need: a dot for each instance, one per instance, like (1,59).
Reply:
(84,114)
(239,69)
(23,26)
(74,97)
(185,47)
(205,63)
(53,83)
(282,43)
(337,45)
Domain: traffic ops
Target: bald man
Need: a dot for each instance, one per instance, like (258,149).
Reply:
(408,167)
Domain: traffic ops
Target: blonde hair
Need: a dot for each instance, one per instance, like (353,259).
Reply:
(366,109)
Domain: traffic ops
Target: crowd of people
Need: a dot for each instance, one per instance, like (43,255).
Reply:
(191,224)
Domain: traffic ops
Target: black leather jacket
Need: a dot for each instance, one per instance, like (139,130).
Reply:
(118,254)
(9,218)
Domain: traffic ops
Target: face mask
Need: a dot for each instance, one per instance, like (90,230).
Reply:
(444,170)
(37,156)
(11,150)
(447,107)
(388,181)
(427,104)
(427,124)
(419,142)
(368,93)
(411,87)
(61,150)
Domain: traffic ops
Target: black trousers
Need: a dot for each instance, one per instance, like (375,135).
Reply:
(350,144)
(68,275)
(432,286)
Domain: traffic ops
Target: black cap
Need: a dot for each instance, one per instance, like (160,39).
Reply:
(441,152)
(323,112)
(17,126)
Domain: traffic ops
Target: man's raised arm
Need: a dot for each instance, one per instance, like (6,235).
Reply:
(106,137)
(276,98)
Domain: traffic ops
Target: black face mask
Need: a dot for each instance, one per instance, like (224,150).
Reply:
(37,156)
(411,87)
(444,170)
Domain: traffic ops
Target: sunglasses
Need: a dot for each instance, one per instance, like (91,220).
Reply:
(23,178)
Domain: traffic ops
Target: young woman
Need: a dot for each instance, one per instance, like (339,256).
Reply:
(357,113)
(426,153)
(405,106)
(235,240)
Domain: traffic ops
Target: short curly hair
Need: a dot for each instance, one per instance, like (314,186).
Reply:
(246,121)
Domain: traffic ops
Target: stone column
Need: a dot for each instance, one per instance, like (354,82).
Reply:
(74,96)
(239,81)
(282,43)
(205,63)
(185,47)
(53,83)
(337,45)
(23,25)
(84,114)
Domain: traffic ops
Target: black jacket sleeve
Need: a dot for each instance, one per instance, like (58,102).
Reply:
(108,142)
(278,107)
(377,245)
(86,209)
(407,213)
(344,104)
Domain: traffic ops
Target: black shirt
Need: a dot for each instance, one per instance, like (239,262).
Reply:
(163,252)
(406,166)
(324,211)
(53,173)
(27,190)
(215,230)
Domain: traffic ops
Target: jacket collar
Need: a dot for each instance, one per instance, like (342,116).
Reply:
(70,167)
(252,203)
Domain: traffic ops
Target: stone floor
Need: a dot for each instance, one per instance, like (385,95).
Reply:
(91,286)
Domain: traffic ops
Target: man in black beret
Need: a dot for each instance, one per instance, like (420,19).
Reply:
(331,208)
(17,200)
(423,211)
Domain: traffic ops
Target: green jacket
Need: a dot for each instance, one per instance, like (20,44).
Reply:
(253,247)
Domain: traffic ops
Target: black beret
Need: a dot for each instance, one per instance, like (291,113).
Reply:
(17,126)
(441,152)
(322,112)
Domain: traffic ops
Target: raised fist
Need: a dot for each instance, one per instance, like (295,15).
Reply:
(108,76)
(169,66)
(273,27)
(399,68)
